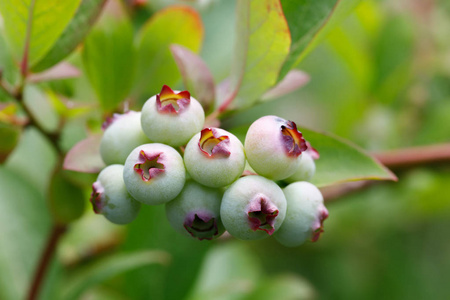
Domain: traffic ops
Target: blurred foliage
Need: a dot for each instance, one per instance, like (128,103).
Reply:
(381,79)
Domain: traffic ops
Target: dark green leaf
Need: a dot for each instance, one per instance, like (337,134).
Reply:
(66,200)
(108,58)
(309,21)
(109,267)
(73,34)
(341,161)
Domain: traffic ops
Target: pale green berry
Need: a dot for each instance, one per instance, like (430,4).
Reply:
(172,117)
(110,197)
(154,173)
(305,214)
(253,207)
(214,157)
(306,169)
(195,211)
(122,133)
(273,147)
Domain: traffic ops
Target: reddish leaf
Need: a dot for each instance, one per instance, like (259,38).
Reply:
(60,71)
(294,80)
(85,156)
(196,75)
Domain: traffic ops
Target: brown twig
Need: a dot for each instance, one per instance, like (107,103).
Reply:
(44,262)
(415,156)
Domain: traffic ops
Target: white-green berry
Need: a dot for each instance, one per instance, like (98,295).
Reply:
(273,147)
(122,133)
(110,197)
(195,211)
(172,117)
(214,157)
(253,207)
(304,216)
(154,173)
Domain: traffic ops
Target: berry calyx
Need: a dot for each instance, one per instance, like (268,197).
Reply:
(168,101)
(262,213)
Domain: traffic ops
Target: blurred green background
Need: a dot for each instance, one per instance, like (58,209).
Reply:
(380,79)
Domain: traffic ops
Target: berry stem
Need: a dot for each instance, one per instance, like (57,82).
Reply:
(56,233)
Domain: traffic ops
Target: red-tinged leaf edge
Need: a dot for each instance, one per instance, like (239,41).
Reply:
(62,70)
(195,73)
(293,80)
(85,156)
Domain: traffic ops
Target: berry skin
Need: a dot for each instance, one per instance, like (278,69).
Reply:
(154,173)
(306,169)
(122,133)
(253,208)
(214,157)
(110,197)
(195,211)
(273,147)
(305,215)
(172,117)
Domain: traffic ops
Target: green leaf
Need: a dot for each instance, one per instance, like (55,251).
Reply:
(229,271)
(309,21)
(73,34)
(66,200)
(33,26)
(155,64)
(341,161)
(262,44)
(286,287)
(24,225)
(108,58)
(109,267)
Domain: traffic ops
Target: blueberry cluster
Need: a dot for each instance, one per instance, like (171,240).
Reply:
(213,183)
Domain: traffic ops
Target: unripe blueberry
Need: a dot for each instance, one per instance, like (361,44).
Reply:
(307,167)
(214,157)
(305,214)
(253,207)
(154,173)
(273,147)
(195,211)
(122,133)
(110,197)
(172,117)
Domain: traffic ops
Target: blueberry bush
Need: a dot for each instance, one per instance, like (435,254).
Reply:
(196,149)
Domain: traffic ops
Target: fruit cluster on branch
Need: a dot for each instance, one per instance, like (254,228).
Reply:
(216,183)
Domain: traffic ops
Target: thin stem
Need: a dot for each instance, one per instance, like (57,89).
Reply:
(44,262)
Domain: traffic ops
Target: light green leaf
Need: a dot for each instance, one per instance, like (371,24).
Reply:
(24,225)
(73,34)
(33,26)
(155,64)
(262,44)
(108,58)
(309,21)
(341,161)
(286,287)
(109,267)
(229,271)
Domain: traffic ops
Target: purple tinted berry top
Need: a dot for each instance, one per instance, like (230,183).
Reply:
(293,140)
(149,165)
(167,101)
(201,225)
(96,197)
(212,144)
(317,227)
(262,213)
